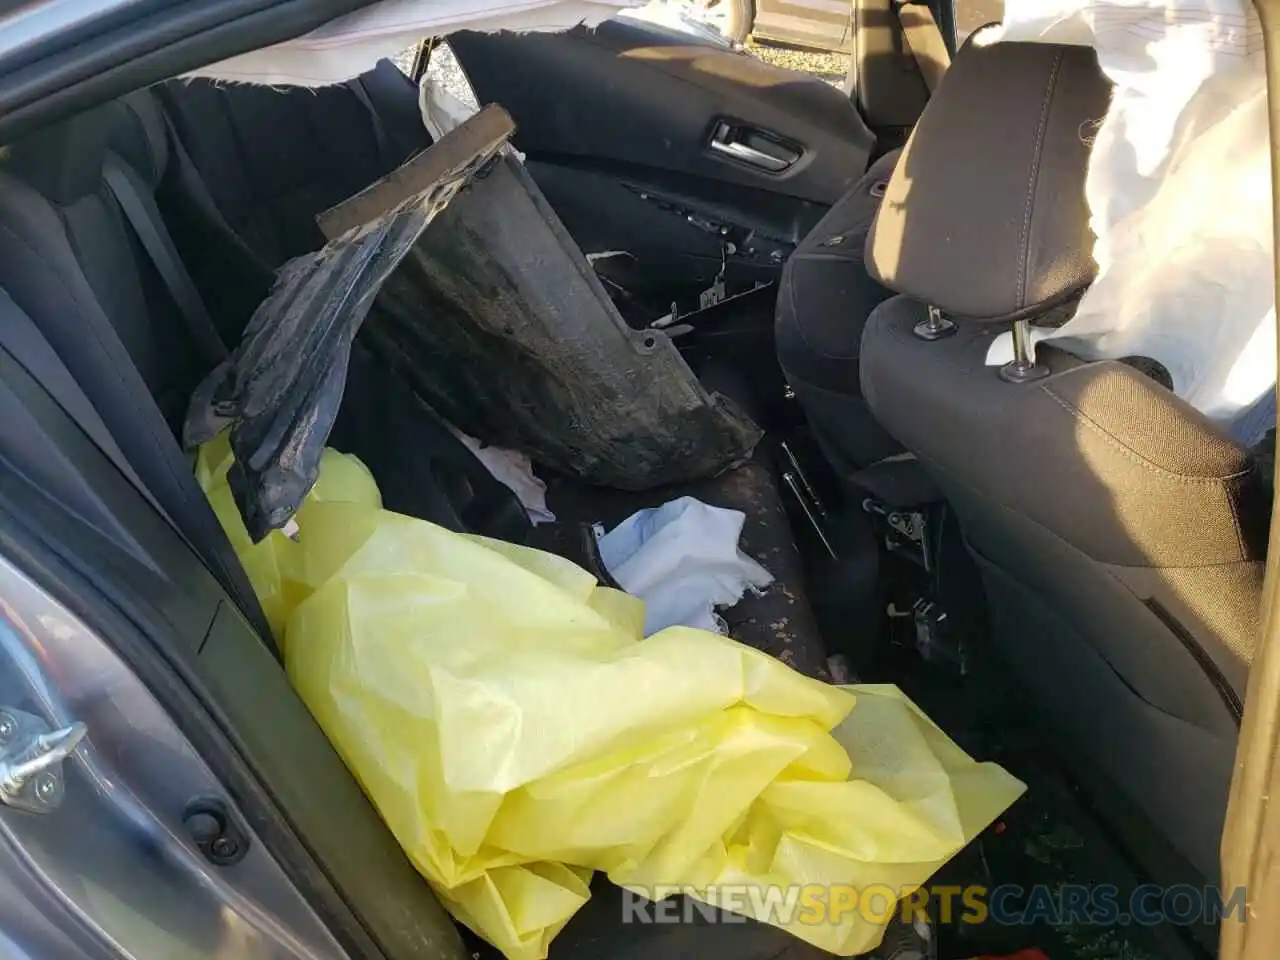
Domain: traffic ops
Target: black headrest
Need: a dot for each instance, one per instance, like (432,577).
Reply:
(140,136)
(64,161)
(985,216)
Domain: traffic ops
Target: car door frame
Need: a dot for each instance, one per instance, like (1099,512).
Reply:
(1251,838)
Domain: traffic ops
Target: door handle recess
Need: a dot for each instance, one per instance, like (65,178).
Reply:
(756,148)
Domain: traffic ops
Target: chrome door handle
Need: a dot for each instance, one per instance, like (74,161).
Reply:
(738,143)
(747,154)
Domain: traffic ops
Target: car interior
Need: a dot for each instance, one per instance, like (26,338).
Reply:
(1064,572)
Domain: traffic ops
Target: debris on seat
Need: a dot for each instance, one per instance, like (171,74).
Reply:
(517,732)
(441,110)
(682,559)
(515,471)
(280,389)
(504,328)
(492,316)
(778,620)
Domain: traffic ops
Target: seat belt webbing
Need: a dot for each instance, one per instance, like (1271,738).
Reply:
(159,246)
(194,518)
(924,37)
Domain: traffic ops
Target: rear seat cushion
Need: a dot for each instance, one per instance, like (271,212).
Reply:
(71,262)
(140,137)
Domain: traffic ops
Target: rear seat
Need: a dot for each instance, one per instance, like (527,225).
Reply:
(75,264)
(324,145)
(70,262)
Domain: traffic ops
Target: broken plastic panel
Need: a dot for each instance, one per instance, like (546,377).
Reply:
(495,318)
(499,321)
(280,389)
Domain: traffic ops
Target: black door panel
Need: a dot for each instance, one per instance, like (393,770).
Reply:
(677,153)
(628,92)
(672,233)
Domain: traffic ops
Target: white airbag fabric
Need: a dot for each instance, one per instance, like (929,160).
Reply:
(1179,188)
(350,45)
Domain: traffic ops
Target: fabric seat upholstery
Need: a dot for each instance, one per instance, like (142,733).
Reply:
(1120,535)
(824,299)
(71,262)
(273,158)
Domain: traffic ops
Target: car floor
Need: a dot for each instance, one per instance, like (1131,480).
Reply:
(778,620)
(1050,839)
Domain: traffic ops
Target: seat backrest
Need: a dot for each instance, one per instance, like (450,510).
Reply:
(71,261)
(56,199)
(259,164)
(274,158)
(1120,534)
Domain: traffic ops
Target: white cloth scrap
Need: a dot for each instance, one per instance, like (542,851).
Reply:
(682,559)
(1179,191)
(514,470)
(353,44)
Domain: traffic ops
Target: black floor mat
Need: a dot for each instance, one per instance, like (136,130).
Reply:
(1046,847)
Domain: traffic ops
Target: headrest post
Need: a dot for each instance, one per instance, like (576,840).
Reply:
(936,327)
(1023,367)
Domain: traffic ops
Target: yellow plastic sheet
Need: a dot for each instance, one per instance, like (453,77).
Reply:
(517,733)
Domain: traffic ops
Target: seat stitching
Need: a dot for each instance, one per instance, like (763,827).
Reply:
(814,256)
(1177,564)
(897,333)
(1235,519)
(1132,454)
(1024,242)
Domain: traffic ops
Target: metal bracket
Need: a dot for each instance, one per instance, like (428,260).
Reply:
(936,327)
(797,482)
(1023,367)
(907,534)
(31,756)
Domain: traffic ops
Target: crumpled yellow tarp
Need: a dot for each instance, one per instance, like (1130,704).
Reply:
(516,733)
